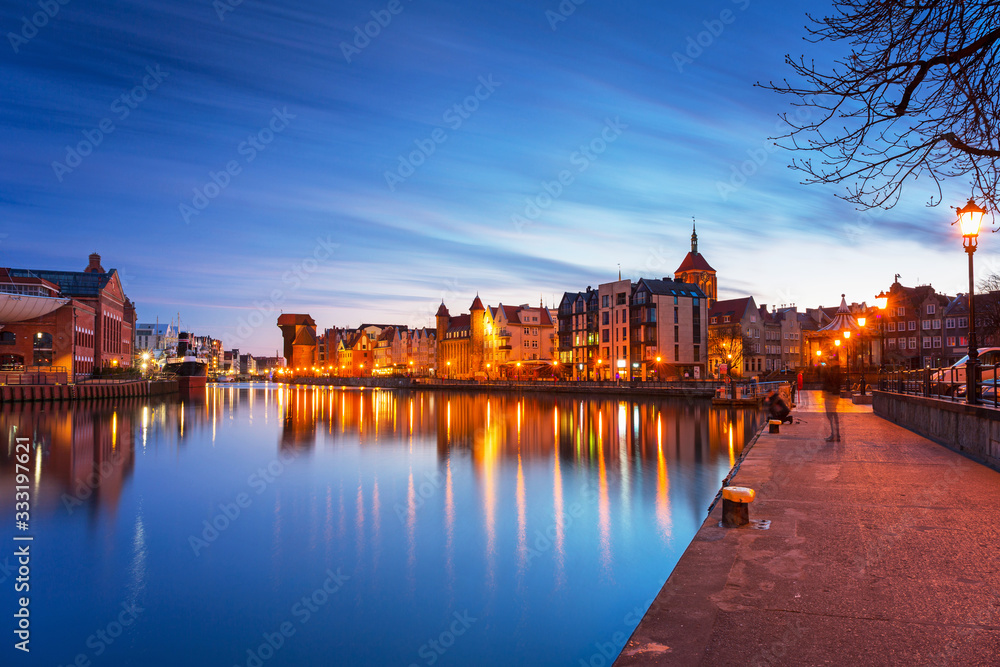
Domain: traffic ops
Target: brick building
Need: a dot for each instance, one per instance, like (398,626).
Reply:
(93,327)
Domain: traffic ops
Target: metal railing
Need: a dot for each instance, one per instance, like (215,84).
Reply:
(947,383)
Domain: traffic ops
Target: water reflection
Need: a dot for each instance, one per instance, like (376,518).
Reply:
(548,516)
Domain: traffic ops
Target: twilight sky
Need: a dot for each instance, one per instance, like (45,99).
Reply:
(270,156)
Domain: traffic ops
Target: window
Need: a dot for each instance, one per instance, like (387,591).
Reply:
(675,315)
(640,297)
(936,324)
(930,309)
(951,341)
(753,318)
(697,352)
(901,312)
(605,336)
(892,343)
(912,325)
(913,342)
(891,327)
(925,325)
(605,318)
(725,319)
(949,323)
(604,301)
(620,299)
(527,331)
(927,342)
(937,341)
(677,334)
(714,320)
(7,338)
(677,352)
(902,343)
(963,323)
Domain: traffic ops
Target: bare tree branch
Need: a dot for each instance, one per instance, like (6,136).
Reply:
(917,94)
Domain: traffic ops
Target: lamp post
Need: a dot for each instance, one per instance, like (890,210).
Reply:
(861,323)
(881,300)
(847,355)
(970,219)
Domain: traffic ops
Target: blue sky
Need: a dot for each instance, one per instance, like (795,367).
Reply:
(245,171)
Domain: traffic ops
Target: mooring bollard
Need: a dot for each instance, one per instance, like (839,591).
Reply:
(773,425)
(736,505)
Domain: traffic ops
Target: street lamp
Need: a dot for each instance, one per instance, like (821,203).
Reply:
(882,301)
(970,218)
(861,333)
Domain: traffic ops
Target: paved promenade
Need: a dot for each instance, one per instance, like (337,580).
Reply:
(883,549)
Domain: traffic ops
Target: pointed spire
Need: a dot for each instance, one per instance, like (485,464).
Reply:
(694,236)
(619,270)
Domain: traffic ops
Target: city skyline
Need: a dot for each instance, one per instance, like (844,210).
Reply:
(234,144)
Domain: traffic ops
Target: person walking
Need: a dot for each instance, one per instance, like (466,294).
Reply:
(832,382)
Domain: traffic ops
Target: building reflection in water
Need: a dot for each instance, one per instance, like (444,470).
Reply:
(620,441)
(88,448)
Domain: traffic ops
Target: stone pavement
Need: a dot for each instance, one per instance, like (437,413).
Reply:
(883,549)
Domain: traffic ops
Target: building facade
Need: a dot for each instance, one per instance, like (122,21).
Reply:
(91,331)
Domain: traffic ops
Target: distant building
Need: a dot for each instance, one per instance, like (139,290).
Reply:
(299,334)
(696,270)
(90,324)
(154,336)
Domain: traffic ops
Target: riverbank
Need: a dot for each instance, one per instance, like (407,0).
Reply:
(880,550)
(21,393)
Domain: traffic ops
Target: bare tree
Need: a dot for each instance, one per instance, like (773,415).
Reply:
(917,95)
(729,344)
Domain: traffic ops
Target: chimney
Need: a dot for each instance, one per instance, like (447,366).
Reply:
(95,264)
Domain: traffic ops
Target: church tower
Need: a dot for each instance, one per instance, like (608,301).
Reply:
(695,270)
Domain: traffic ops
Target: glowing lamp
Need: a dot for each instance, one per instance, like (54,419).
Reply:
(882,300)
(970,219)
(861,321)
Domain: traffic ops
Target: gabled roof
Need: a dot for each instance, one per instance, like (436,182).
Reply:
(733,307)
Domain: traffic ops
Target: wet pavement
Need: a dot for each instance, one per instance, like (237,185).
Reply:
(881,550)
